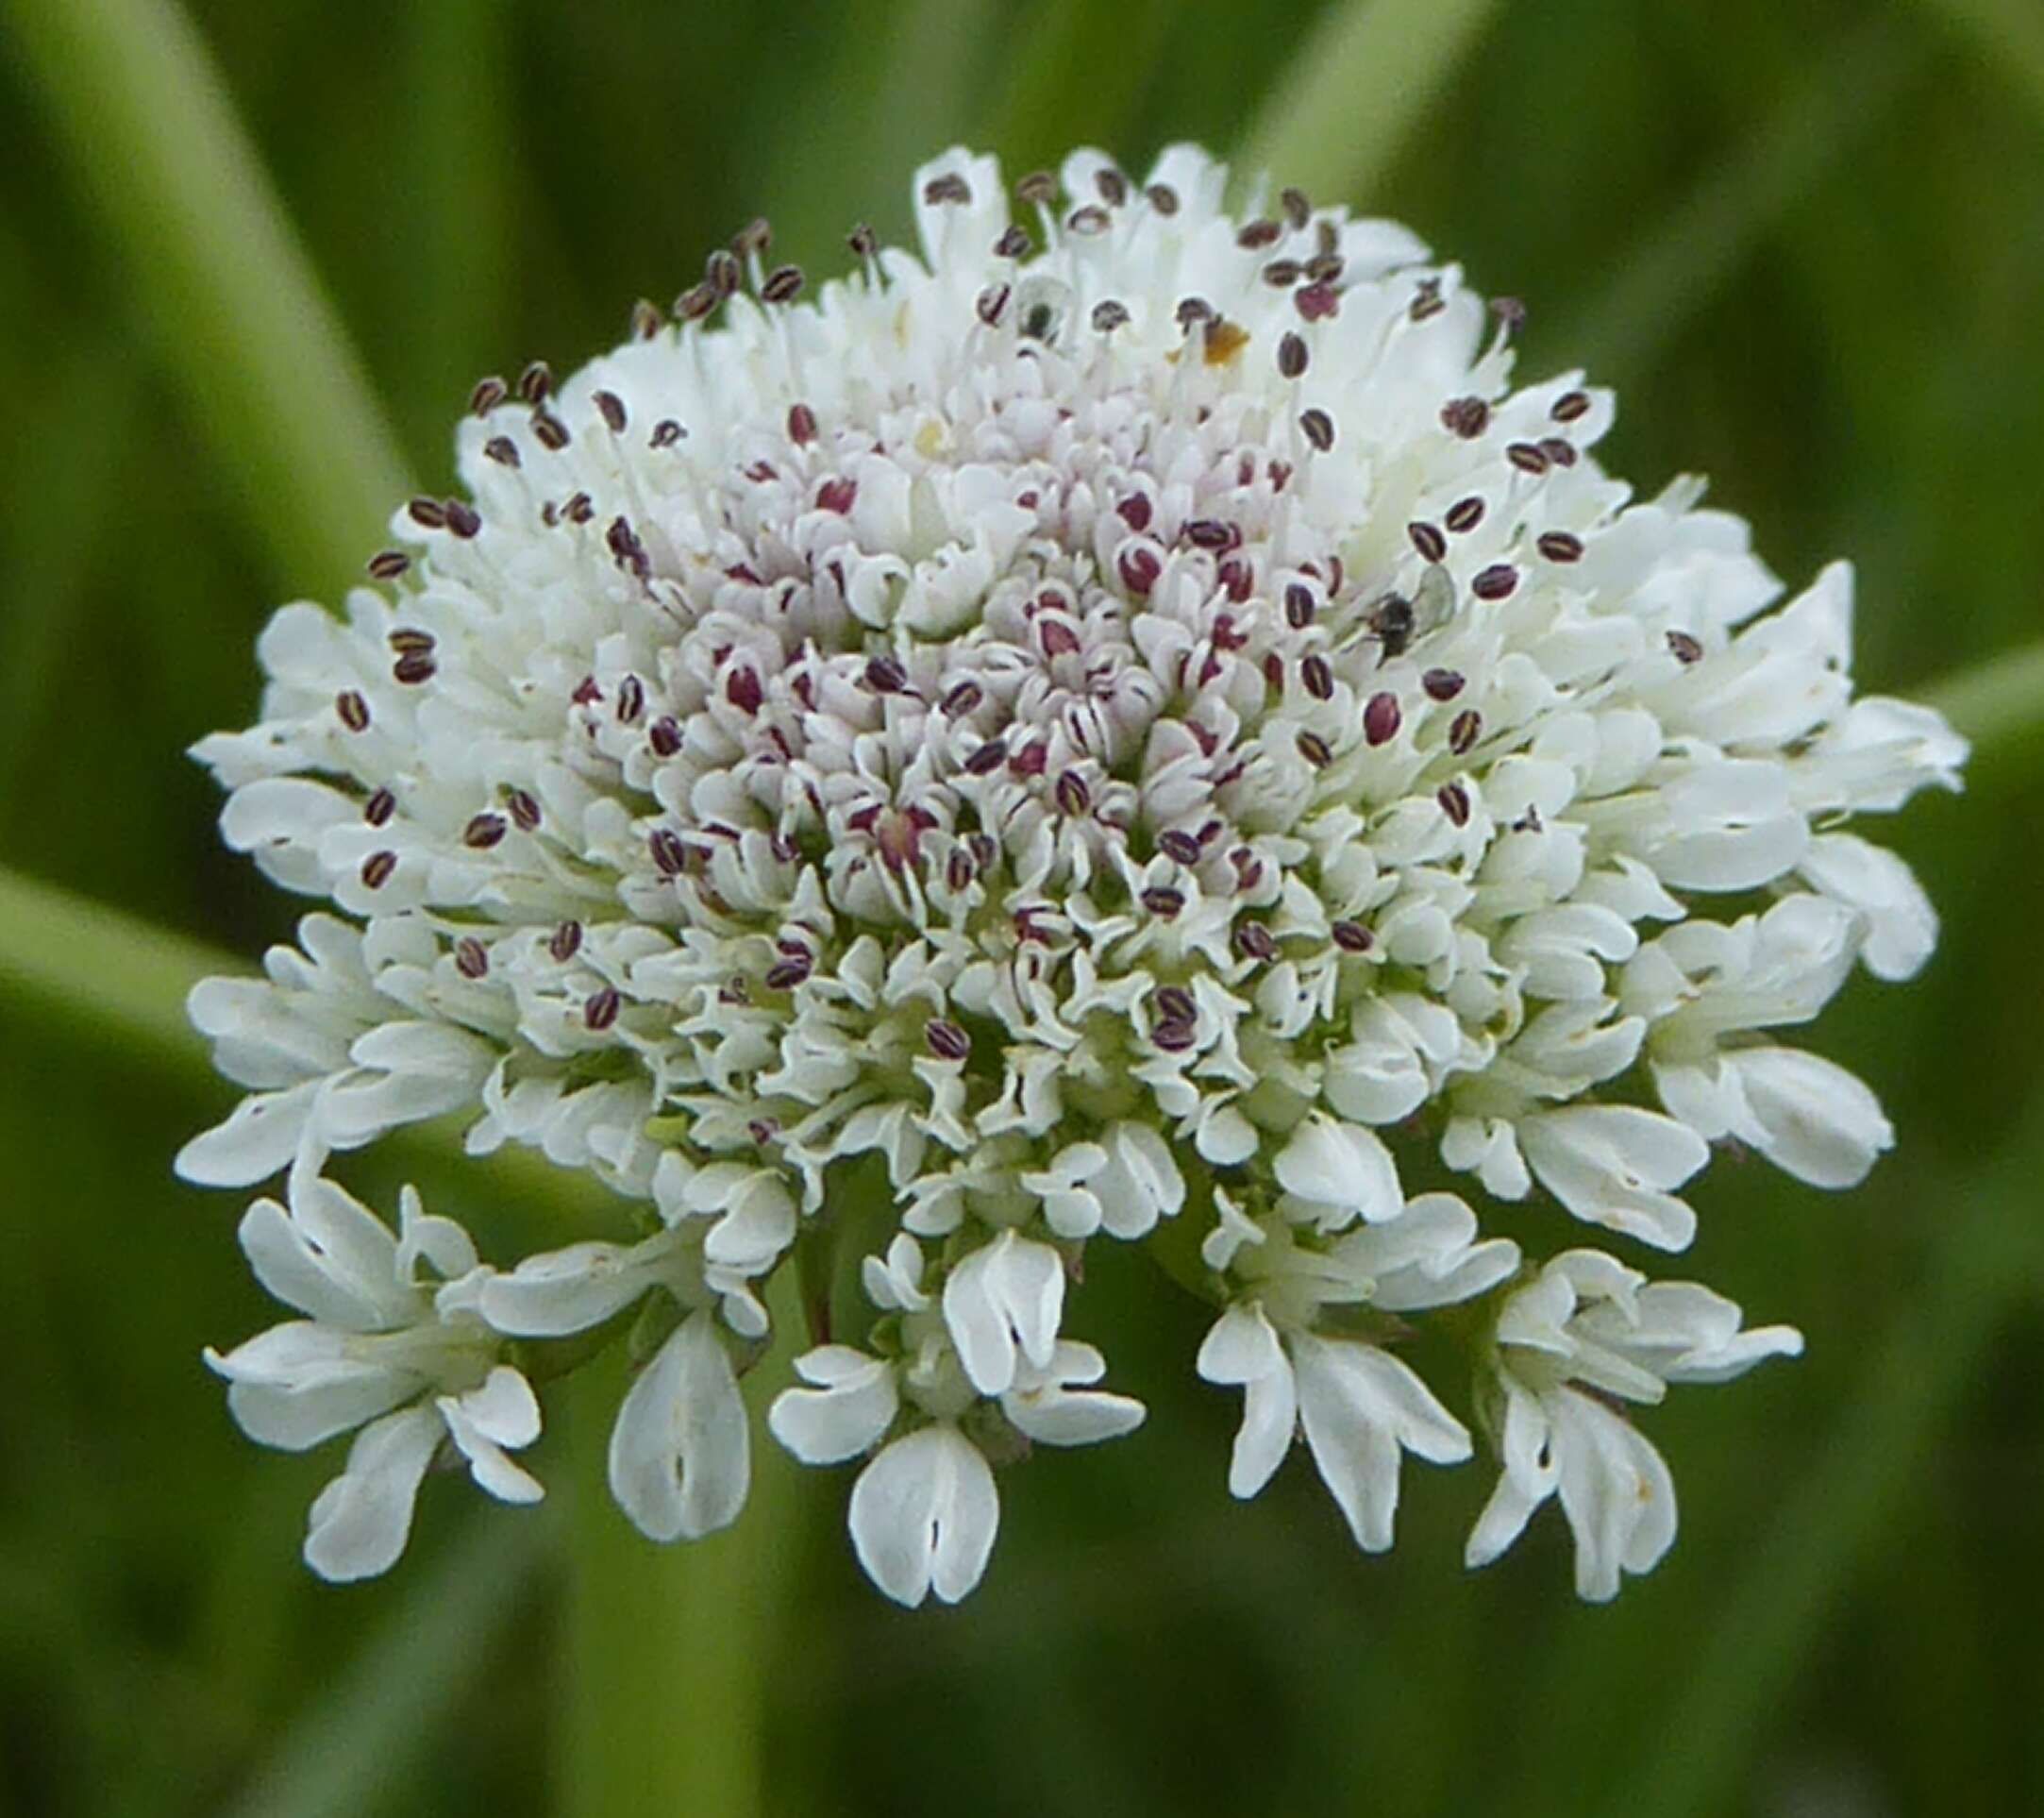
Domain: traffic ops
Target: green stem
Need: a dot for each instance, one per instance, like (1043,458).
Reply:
(1998,702)
(241,325)
(100,970)
(1360,83)
(668,1649)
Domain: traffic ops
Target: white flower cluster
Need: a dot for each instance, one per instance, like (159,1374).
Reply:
(1124,718)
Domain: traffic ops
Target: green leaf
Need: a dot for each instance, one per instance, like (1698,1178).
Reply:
(1685,260)
(372,1724)
(1357,87)
(238,321)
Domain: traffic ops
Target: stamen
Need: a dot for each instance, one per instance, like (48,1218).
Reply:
(1428,540)
(1467,417)
(1381,719)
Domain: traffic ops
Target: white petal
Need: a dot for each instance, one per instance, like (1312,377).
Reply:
(566,1290)
(1526,1481)
(1342,1165)
(1006,1294)
(1359,1405)
(503,1412)
(1240,1346)
(1269,1421)
(1057,1416)
(1615,1492)
(1817,1121)
(360,1521)
(680,1453)
(297,1384)
(1613,1165)
(854,1404)
(349,1280)
(259,1137)
(1902,926)
(1141,1182)
(924,1515)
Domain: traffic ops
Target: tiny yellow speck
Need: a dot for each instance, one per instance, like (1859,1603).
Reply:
(1225,340)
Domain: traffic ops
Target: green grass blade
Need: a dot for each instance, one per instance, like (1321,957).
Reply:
(1679,266)
(901,87)
(104,971)
(459,178)
(1986,1264)
(1077,72)
(1361,82)
(376,1721)
(241,326)
(1998,702)
(99,967)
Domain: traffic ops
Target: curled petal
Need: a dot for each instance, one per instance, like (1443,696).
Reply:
(361,1522)
(1003,1301)
(853,1402)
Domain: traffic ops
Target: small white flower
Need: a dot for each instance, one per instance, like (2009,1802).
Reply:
(924,1510)
(1359,1405)
(393,1325)
(1582,1335)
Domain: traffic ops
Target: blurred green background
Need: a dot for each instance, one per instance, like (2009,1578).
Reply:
(1806,240)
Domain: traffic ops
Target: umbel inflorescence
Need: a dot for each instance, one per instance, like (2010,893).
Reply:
(1122,726)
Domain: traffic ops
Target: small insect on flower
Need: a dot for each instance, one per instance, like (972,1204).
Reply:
(1126,714)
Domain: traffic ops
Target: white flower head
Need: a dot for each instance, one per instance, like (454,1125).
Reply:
(1121,718)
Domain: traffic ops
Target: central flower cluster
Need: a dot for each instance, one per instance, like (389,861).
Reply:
(1109,730)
